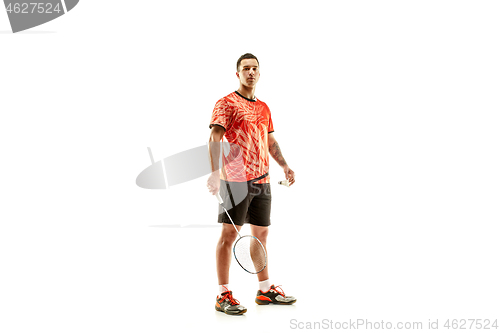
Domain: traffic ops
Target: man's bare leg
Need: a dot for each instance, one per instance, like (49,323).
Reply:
(225,301)
(223,252)
(261,233)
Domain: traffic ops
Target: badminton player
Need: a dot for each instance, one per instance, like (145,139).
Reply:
(245,121)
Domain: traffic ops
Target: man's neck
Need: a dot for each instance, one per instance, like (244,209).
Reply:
(247,92)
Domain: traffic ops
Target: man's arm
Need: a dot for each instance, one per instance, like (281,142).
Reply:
(275,152)
(214,146)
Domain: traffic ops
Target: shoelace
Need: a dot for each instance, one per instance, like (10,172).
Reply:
(280,291)
(232,300)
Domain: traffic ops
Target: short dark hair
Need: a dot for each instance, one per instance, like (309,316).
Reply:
(245,56)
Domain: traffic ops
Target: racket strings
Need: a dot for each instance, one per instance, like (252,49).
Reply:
(250,254)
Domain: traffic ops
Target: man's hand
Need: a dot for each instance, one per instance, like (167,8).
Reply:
(213,182)
(289,174)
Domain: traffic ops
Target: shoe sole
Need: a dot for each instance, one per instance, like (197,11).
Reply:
(261,302)
(230,313)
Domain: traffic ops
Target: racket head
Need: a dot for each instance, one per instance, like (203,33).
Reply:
(250,254)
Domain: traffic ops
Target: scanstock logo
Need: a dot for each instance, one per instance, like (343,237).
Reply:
(194,163)
(25,14)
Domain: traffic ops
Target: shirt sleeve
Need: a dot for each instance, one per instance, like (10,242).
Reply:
(270,126)
(222,115)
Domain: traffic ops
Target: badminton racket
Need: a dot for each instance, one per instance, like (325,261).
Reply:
(248,250)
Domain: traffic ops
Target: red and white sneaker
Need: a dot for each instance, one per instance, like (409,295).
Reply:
(229,305)
(274,296)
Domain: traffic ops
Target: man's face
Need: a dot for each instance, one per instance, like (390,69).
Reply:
(248,72)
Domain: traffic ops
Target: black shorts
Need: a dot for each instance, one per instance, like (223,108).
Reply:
(246,203)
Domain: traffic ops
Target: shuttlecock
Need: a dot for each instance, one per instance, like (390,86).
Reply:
(284,182)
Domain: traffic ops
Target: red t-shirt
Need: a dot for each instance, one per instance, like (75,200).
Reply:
(247,123)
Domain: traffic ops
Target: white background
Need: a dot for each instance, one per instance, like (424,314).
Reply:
(388,112)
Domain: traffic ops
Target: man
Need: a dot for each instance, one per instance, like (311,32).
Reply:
(246,123)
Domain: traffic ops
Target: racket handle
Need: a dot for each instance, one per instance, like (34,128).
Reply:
(219,199)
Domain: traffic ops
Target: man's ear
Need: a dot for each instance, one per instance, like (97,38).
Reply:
(237,75)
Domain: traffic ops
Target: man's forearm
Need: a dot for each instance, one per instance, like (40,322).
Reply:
(214,145)
(275,151)
(214,154)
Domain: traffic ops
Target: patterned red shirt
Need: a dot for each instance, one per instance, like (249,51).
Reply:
(247,123)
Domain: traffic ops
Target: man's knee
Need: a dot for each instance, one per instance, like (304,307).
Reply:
(228,235)
(260,232)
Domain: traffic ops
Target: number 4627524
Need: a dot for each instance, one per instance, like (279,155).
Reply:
(471,324)
(33,7)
